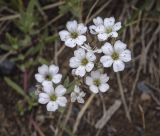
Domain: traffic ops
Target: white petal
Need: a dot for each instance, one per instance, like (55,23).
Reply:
(125,56)
(43,70)
(118,66)
(40,78)
(113,34)
(119,46)
(103,87)
(98,21)
(117,26)
(44,95)
(53,69)
(102,36)
(60,90)
(61,101)
(82,94)
(104,78)
(80,100)
(76,89)
(92,29)
(90,56)
(73,72)
(106,61)
(73,97)
(100,29)
(107,48)
(108,22)
(57,78)
(80,53)
(64,35)
(94,89)
(89,80)
(80,71)
(72,26)
(81,28)
(80,39)
(70,42)
(74,62)
(89,66)
(43,98)
(48,87)
(95,74)
(52,106)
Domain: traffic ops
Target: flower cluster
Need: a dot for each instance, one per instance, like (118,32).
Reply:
(96,48)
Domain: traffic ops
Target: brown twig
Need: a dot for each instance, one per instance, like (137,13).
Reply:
(123,98)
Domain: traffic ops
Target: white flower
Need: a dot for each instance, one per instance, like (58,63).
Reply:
(52,97)
(74,36)
(82,62)
(97,82)
(50,73)
(116,55)
(106,29)
(77,95)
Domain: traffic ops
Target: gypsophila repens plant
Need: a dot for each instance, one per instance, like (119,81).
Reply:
(96,49)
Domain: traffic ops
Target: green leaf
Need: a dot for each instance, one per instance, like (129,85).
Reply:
(16,87)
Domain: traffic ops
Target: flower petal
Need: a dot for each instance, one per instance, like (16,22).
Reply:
(92,29)
(117,26)
(52,106)
(57,78)
(74,62)
(80,71)
(61,101)
(76,89)
(81,28)
(106,61)
(73,97)
(100,29)
(102,36)
(107,48)
(118,66)
(53,69)
(89,81)
(80,99)
(119,46)
(60,90)
(72,26)
(90,56)
(125,56)
(43,98)
(95,74)
(104,78)
(103,87)
(80,39)
(113,34)
(94,89)
(64,35)
(109,22)
(43,70)
(40,78)
(89,66)
(70,42)
(80,53)
(48,87)
(98,21)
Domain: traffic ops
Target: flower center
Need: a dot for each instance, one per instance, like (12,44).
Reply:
(53,98)
(84,62)
(48,77)
(115,56)
(108,30)
(97,82)
(74,35)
